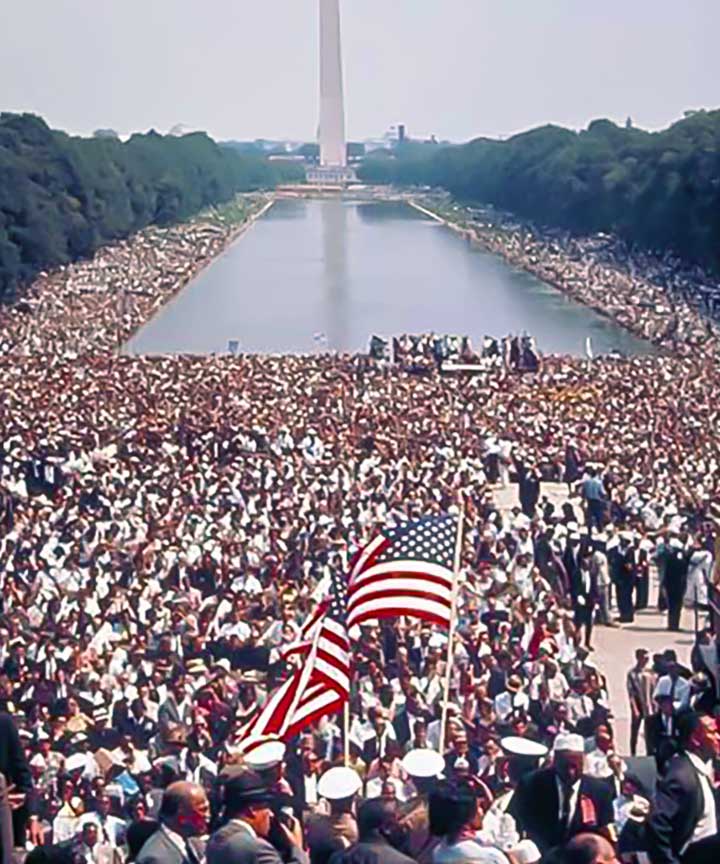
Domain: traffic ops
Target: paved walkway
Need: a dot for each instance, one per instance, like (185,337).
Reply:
(615,646)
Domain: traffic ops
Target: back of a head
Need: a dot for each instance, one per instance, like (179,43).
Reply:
(451,807)
(172,801)
(375,815)
(687,723)
(588,849)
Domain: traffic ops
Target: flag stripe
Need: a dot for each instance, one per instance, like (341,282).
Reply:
(442,575)
(366,557)
(417,607)
(397,612)
(401,585)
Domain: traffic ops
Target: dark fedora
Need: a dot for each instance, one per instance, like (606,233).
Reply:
(247,787)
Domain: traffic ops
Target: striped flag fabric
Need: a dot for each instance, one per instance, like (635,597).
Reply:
(319,687)
(406,571)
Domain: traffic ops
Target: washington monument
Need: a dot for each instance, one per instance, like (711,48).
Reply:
(333,149)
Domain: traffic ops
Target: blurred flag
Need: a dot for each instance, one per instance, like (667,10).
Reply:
(322,683)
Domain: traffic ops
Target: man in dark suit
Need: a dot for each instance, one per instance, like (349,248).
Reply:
(14,767)
(244,838)
(184,814)
(378,827)
(585,596)
(676,571)
(551,805)
(683,825)
(662,732)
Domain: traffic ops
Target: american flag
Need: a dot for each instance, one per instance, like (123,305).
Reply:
(407,570)
(322,683)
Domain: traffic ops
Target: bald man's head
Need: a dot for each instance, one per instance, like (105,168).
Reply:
(185,809)
(589,849)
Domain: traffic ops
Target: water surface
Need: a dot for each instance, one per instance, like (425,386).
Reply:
(347,270)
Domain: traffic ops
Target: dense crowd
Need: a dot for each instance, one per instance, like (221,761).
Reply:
(167,524)
(657,296)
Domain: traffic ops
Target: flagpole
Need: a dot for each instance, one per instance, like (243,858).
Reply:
(346,733)
(453,616)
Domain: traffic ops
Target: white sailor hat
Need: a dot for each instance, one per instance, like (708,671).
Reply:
(423,763)
(76,762)
(526,852)
(339,783)
(569,743)
(266,755)
(514,745)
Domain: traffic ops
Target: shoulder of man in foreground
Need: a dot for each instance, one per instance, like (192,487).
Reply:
(382,852)
(241,846)
(159,849)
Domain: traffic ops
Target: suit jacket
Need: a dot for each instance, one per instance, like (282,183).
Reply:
(159,849)
(14,766)
(677,808)
(536,808)
(577,587)
(235,844)
(662,746)
(375,845)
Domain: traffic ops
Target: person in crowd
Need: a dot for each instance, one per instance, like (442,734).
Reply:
(553,804)
(380,837)
(683,822)
(184,814)
(456,815)
(337,830)
(250,822)
(640,685)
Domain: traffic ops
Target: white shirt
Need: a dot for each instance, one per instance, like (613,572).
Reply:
(574,793)
(680,692)
(467,851)
(707,824)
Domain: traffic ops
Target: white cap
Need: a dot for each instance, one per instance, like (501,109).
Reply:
(76,761)
(423,763)
(568,743)
(38,761)
(526,852)
(223,664)
(266,756)
(514,745)
(338,783)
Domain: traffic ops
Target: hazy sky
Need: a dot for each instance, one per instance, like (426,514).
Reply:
(457,68)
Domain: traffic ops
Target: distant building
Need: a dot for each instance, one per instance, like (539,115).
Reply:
(333,168)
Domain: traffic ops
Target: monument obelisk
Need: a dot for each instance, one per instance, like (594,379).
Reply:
(333,148)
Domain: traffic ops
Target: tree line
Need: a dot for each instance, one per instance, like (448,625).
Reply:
(656,190)
(62,197)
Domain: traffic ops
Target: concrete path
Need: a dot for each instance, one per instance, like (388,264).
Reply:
(615,646)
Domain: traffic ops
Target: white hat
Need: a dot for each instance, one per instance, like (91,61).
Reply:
(76,762)
(38,761)
(423,763)
(514,745)
(339,783)
(266,756)
(568,743)
(223,664)
(526,852)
